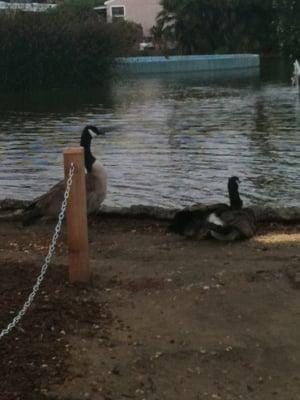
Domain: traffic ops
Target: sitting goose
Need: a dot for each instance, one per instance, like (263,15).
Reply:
(49,203)
(219,221)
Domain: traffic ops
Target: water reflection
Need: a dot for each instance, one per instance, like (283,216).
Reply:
(56,101)
(173,140)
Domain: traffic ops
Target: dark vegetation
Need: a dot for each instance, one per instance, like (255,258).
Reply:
(68,47)
(72,46)
(269,27)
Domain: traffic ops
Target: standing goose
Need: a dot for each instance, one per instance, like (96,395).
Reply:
(220,221)
(49,203)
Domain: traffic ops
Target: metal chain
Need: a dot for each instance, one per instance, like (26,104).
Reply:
(51,251)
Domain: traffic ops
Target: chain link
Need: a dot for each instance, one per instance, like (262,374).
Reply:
(51,251)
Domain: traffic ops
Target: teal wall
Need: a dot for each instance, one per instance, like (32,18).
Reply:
(186,63)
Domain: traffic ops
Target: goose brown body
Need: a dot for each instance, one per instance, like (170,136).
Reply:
(49,203)
(219,221)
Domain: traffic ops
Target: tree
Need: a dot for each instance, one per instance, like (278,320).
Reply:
(287,16)
(195,25)
(78,9)
(254,30)
(206,26)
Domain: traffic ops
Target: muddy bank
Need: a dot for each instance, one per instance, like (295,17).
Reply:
(164,318)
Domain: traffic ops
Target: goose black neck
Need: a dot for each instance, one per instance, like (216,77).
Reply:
(85,142)
(235,201)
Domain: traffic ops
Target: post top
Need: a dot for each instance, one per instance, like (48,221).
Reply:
(74,150)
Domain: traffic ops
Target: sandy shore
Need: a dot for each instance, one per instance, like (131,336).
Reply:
(164,318)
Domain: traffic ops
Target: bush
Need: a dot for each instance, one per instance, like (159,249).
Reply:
(55,50)
(77,9)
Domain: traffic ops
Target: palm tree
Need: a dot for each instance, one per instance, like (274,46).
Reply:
(195,25)
(207,26)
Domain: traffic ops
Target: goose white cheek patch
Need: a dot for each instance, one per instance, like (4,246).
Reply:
(92,133)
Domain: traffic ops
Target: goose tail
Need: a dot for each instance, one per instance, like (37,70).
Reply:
(219,230)
(180,222)
(30,215)
(215,220)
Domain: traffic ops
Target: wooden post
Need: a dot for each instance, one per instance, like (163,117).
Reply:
(77,217)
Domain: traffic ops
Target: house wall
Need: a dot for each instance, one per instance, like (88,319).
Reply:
(142,12)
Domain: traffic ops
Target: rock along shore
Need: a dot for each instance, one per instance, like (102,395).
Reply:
(11,209)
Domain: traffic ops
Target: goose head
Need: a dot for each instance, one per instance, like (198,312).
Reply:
(233,191)
(88,133)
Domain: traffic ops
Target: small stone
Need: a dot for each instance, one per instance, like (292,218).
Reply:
(297,278)
(115,371)
(250,388)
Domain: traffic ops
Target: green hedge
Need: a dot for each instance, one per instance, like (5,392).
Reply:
(57,49)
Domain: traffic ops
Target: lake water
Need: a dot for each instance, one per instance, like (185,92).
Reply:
(172,140)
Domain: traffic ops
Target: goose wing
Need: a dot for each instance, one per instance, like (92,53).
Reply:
(47,204)
(241,220)
(50,202)
(95,192)
(191,220)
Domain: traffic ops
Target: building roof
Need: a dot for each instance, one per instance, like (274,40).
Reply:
(108,2)
(100,8)
(31,7)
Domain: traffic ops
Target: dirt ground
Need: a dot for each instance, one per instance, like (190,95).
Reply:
(164,318)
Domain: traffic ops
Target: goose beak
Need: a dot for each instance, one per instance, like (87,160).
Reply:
(101,132)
